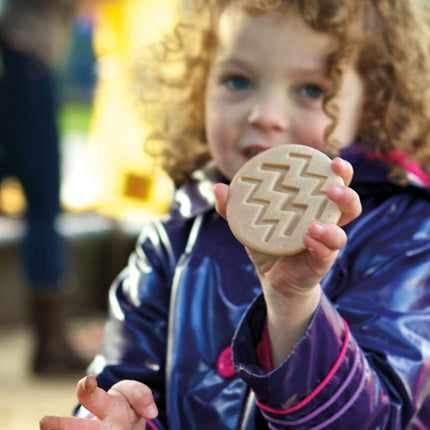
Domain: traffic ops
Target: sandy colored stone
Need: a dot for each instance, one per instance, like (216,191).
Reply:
(275,195)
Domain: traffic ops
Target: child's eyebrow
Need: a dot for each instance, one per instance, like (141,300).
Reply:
(235,61)
(236,64)
(316,72)
(308,71)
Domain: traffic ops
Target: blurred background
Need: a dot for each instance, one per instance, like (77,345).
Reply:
(109,187)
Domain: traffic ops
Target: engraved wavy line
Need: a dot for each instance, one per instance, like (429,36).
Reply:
(268,207)
(289,194)
(317,191)
(260,187)
(263,207)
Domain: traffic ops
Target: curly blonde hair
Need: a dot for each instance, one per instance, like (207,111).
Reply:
(388,40)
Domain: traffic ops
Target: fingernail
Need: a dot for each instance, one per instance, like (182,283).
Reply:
(48,428)
(46,425)
(317,229)
(86,383)
(336,191)
(151,410)
(89,383)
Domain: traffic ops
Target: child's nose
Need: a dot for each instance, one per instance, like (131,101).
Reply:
(269,115)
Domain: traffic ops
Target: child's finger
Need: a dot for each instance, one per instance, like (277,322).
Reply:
(347,200)
(329,235)
(221,194)
(69,423)
(343,168)
(139,396)
(93,398)
(323,242)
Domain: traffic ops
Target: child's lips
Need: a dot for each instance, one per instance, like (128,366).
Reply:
(253,150)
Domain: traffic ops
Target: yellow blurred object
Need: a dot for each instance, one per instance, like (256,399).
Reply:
(12,197)
(130,184)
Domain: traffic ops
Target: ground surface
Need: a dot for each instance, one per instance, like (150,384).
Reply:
(24,399)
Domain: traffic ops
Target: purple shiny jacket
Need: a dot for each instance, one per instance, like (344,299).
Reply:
(189,297)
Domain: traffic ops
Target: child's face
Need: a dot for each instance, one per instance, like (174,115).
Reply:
(265,88)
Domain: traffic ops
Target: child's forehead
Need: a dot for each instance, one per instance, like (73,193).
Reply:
(234,16)
(253,7)
(324,13)
(286,32)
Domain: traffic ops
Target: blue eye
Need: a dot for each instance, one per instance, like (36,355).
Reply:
(311,91)
(238,83)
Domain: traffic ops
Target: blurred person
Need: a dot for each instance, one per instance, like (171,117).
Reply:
(33,38)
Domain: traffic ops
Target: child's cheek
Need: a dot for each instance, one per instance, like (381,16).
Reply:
(313,137)
(310,129)
(220,130)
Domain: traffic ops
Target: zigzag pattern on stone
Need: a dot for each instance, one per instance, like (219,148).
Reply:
(277,188)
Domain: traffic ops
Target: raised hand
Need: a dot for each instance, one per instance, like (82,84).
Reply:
(291,283)
(304,270)
(126,406)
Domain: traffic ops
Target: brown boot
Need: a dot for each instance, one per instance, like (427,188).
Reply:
(53,354)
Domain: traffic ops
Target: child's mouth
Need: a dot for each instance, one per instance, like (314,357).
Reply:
(252,151)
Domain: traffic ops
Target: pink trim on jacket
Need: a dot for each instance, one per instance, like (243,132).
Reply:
(398,157)
(264,353)
(320,387)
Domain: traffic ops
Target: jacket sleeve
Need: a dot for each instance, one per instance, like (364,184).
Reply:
(135,336)
(363,362)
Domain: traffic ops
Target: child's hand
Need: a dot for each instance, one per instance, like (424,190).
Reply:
(291,283)
(126,406)
(305,270)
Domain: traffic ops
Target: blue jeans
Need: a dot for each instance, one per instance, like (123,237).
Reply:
(29,150)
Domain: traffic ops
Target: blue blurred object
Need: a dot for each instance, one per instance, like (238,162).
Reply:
(78,74)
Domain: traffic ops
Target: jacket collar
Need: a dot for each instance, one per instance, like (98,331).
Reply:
(196,196)
(372,170)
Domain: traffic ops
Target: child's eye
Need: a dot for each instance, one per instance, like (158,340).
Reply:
(311,91)
(238,83)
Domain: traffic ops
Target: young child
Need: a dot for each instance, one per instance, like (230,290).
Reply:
(203,334)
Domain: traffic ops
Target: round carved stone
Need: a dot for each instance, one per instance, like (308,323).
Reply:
(276,194)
